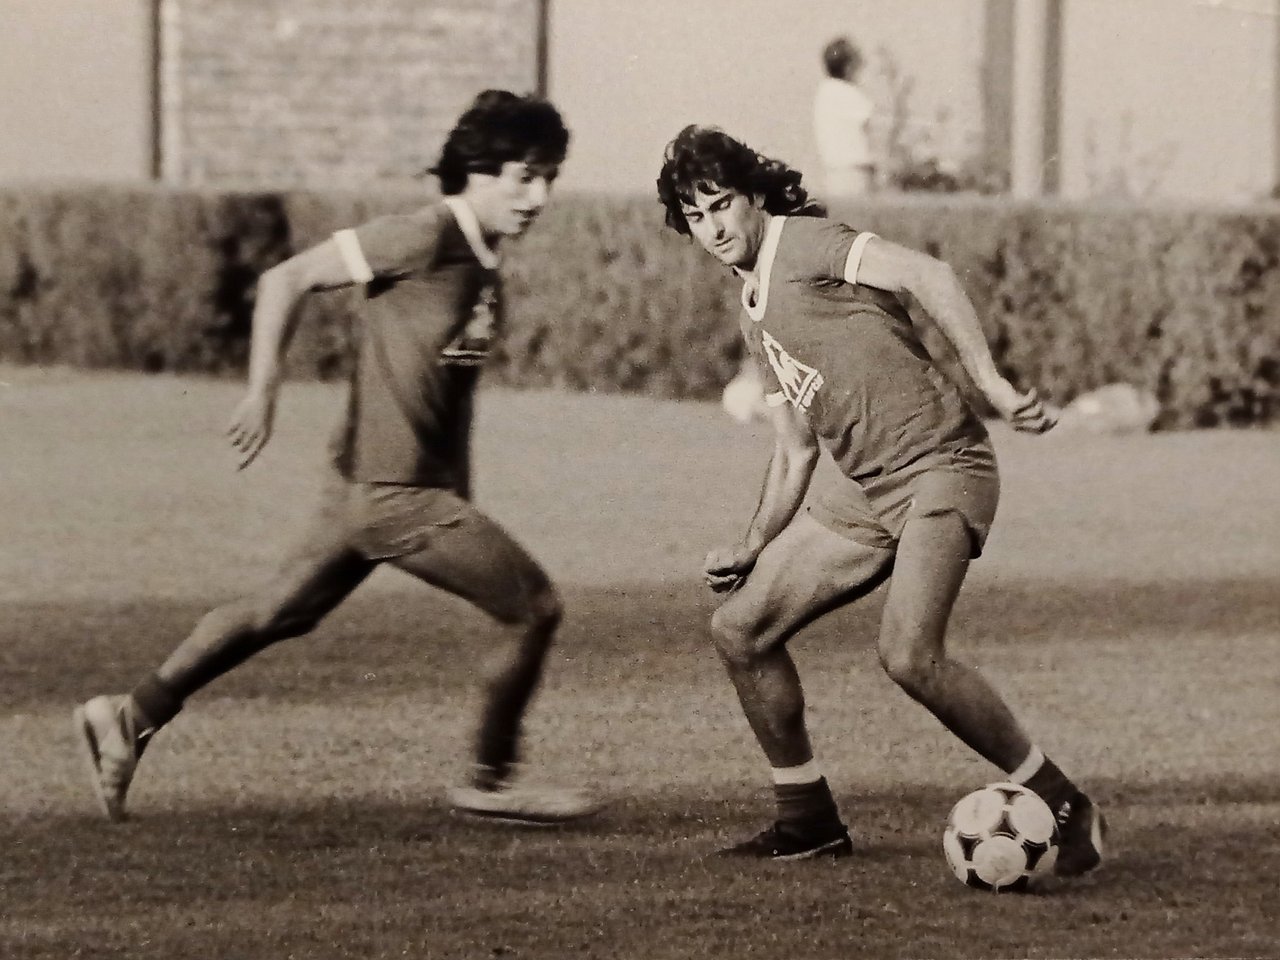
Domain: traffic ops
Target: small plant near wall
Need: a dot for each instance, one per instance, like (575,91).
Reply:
(1116,169)
(912,159)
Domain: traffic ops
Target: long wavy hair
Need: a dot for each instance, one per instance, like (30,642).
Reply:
(706,159)
(500,127)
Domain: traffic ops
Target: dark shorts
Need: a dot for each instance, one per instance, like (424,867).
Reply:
(875,513)
(431,533)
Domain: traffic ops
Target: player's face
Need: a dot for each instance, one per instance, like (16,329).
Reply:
(506,203)
(729,225)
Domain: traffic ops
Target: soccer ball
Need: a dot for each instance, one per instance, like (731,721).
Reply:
(1002,837)
(743,397)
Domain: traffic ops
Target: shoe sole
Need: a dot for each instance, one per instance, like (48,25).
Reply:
(514,820)
(834,849)
(89,752)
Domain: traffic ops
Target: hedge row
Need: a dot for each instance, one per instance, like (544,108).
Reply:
(1183,302)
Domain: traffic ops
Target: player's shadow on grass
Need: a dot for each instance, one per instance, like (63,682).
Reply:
(896,830)
(422,640)
(236,880)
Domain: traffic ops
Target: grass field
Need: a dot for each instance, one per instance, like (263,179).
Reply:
(1128,606)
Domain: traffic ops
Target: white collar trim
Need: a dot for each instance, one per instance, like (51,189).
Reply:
(469,224)
(764,269)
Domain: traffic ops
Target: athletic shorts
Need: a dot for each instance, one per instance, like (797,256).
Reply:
(431,533)
(875,512)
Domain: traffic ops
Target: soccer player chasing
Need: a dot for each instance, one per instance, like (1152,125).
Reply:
(428,296)
(845,370)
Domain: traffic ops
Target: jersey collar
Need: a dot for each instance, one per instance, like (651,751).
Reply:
(469,224)
(763,270)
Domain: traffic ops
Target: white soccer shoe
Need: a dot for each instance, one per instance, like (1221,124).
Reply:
(111,747)
(526,805)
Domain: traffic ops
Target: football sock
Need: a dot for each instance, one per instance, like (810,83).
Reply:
(488,778)
(152,704)
(803,773)
(807,808)
(1050,783)
(1028,766)
(497,751)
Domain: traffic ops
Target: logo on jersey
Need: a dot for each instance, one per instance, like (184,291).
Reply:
(472,346)
(799,381)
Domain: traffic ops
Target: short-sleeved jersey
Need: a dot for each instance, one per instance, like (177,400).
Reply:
(848,356)
(428,305)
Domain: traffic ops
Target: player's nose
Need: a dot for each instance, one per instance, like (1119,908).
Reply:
(536,195)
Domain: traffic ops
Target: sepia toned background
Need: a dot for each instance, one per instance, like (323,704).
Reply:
(1159,97)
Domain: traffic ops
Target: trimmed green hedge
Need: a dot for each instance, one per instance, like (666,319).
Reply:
(1183,302)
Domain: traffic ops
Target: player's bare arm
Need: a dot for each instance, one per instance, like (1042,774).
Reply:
(935,286)
(280,289)
(795,455)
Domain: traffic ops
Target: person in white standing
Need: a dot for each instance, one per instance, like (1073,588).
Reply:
(841,123)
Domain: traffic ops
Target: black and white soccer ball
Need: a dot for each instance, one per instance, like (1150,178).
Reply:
(1001,838)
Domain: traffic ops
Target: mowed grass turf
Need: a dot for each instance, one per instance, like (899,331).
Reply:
(1127,606)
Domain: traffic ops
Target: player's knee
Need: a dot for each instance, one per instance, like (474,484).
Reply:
(545,609)
(737,643)
(534,611)
(911,666)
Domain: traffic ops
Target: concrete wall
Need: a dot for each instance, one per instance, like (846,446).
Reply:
(1170,97)
(75,89)
(1159,97)
(330,91)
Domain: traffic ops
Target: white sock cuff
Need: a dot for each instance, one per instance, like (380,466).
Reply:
(808,772)
(1034,761)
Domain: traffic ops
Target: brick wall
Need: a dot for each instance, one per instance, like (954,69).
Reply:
(329,92)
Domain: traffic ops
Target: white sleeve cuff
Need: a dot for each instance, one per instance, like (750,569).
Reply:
(854,260)
(349,246)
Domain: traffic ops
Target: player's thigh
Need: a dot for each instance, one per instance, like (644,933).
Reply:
(932,560)
(474,558)
(317,573)
(806,571)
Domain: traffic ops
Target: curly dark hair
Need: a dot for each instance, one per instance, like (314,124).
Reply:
(705,159)
(500,127)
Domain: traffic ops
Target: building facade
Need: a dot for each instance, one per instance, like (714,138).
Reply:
(1145,98)
(329,91)
(1138,98)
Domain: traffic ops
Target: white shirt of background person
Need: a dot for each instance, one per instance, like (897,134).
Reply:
(841,117)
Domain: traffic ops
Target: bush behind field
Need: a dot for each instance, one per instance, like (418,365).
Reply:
(1180,301)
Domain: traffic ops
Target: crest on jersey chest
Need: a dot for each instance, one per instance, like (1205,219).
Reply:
(799,381)
(472,346)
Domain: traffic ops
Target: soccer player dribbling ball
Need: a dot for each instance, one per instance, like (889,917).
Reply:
(428,299)
(845,370)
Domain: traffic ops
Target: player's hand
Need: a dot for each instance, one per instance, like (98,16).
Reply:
(726,567)
(1025,412)
(250,426)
